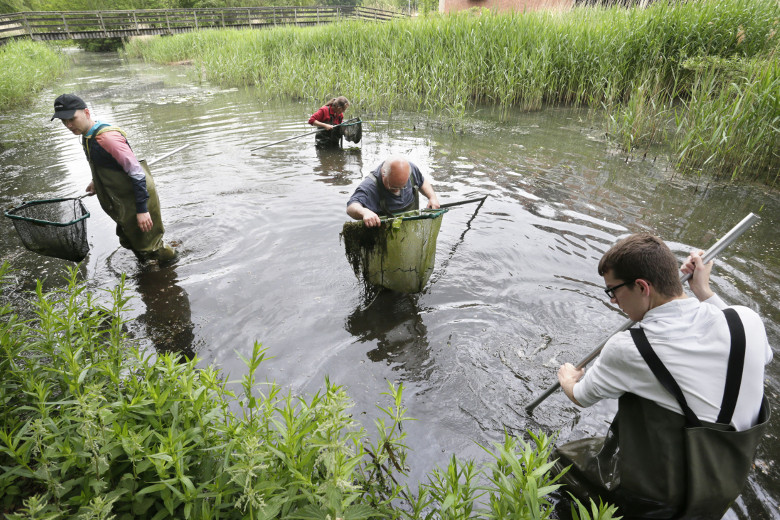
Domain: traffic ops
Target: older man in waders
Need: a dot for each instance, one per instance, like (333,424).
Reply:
(392,188)
(124,186)
(689,379)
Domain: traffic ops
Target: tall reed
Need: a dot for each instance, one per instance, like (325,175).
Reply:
(450,64)
(27,67)
(442,62)
(733,126)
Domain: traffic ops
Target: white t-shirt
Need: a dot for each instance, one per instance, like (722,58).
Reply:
(692,340)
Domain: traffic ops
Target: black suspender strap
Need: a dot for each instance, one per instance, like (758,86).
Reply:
(662,374)
(736,364)
(733,372)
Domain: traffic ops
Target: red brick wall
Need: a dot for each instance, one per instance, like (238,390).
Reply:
(449,6)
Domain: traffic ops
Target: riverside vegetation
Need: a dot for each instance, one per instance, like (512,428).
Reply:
(93,426)
(702,76)
(27,67)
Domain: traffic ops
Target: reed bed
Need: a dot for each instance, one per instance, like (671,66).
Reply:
(733,128)
(452,64)
(27,67)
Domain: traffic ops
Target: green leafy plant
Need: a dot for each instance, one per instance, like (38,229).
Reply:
(92,426)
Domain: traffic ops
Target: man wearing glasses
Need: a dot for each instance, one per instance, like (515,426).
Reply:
(688,367)
(392,188)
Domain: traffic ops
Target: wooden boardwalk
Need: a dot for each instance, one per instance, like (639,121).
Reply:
(79,25)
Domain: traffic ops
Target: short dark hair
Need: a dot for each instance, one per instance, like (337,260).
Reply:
(644,256)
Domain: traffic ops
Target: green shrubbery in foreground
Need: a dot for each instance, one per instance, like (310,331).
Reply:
(633,61)
(92,427)
(26,68)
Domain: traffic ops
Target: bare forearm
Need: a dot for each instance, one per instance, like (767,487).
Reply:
(360,212)
(356,211)
(427,190)
(568,375)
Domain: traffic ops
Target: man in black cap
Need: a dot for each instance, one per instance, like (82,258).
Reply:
(124,186)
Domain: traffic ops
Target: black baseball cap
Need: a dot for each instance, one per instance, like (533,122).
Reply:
(66,105)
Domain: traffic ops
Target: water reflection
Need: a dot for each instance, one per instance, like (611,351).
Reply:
(475,201)
(339,167)
(394,321)
(507,302)
(168,318)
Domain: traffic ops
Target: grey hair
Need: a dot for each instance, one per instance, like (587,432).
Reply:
(385,168)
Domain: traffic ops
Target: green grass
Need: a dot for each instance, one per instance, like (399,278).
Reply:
(91,426)
(27,67)
(609,57)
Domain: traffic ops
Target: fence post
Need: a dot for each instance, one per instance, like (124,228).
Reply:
(102,25)
(135,23)
(168,22)
(27,25)
(195,15)
(65,23)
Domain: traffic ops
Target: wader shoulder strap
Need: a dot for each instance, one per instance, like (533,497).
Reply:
(109,128)
(662,374)
(733,372)
(736,364)
(105,127)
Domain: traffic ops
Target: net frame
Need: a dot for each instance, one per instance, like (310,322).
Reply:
(380,258)
(65,237)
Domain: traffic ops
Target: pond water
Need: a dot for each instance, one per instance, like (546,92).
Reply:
(514,292)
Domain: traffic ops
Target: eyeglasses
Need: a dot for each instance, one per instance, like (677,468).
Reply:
(611,290)
(398,188)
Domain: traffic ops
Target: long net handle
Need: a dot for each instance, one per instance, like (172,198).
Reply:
(158,159)
(346,123)
(710,254)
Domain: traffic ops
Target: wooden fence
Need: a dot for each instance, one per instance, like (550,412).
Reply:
(78,25)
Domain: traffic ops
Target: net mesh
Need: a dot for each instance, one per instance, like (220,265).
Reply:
(56,227)
(352,130)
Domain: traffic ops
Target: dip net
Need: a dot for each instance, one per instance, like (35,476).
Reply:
(55,227)
(398,255)
(352,130)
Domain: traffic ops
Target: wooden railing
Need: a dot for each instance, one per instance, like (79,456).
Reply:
(77,25)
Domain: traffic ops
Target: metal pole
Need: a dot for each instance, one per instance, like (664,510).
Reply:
(461,202)
(167,154)
(297,136)
(710,254)
(284,140)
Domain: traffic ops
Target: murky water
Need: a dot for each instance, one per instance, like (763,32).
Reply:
(514,293)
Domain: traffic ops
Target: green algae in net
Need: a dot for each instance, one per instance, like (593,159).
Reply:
(397,255)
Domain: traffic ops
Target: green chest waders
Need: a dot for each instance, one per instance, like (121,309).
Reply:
(114,190)
(655,463)
(329,138)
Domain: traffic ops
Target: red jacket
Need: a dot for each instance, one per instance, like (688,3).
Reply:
(324,115)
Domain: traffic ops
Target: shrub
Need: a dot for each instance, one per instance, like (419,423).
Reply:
(92,426)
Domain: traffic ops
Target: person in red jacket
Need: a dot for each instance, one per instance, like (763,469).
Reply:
(326,118)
